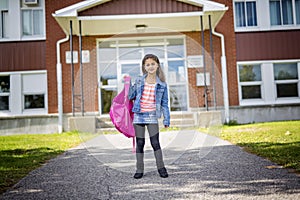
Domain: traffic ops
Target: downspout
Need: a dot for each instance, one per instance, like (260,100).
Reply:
(224,76)
(59,84)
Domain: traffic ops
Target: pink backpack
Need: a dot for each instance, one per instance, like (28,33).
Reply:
(120,112)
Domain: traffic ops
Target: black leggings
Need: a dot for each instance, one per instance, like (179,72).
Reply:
(153,130)
(140,136)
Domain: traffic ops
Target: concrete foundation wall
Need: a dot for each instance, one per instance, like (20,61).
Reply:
(240,115)
(245,115)
(82,124)
(209,118)
(28,124)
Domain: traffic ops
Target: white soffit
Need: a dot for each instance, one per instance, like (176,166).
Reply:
(115,24)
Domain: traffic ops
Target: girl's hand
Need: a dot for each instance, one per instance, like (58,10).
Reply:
(166,126)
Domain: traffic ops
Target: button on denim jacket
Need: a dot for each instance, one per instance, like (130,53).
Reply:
(161,97)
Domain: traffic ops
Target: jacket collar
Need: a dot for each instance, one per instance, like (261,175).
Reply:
(158,81)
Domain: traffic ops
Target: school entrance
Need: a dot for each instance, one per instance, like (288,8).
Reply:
(123,56)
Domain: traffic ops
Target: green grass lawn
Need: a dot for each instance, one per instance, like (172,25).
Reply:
(276,141)
(20,154)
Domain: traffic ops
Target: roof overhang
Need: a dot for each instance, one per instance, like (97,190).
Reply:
(158,22)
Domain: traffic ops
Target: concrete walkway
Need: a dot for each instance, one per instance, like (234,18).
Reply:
(199,166)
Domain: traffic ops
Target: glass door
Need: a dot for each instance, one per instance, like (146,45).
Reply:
(132,69)
(123,57)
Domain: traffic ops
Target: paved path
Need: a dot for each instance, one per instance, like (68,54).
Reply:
(200,167)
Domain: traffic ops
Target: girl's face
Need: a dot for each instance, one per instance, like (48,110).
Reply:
(151,66)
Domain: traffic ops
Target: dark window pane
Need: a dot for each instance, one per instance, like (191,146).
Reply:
(251,92)
(34,101)
(285,71)
(251,13)
(240,14)
(287,11)
(275,15)
(107,95)
(4,103)
(4,84)
(287,90)
(297,8)
(249,73)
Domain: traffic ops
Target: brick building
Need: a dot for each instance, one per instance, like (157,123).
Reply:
(60,59)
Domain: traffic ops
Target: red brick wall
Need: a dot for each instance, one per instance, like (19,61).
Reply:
(53,34)
(226,27)
(194,47)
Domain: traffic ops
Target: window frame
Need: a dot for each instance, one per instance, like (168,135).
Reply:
(268,84)
(263,18)
(36,7)
(250,83)
(294,15)
(17,93)
(245,15)
(32,20)
(6,94)
(287,81)
(4,22)
(32,93)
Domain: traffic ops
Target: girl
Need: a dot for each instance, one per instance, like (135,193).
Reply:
(150,95)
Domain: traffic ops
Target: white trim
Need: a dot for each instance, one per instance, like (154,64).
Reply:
(23,39)
(72,11)
(272,28)
(122,38)
(267,61)
(24,72)
(141,16)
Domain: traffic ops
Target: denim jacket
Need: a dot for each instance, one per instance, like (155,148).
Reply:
(161,97)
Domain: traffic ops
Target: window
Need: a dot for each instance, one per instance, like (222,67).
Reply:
(269,83)
(3,18)
(245,13)
(286,79)
(34,90)
(32,22)
(23,93)
(124,56)
(250,81)
(297,9)
(34,101)
(32,19)
(282,12)
(4,92)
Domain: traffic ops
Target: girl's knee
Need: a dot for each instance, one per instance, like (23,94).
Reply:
(140,142)
(155,143)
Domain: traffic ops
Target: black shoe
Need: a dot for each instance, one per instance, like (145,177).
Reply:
(163,172)
(138,175)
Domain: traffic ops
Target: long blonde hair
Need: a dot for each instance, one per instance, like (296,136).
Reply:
(159,72)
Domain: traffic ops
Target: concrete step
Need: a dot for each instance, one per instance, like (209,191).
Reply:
(178,120)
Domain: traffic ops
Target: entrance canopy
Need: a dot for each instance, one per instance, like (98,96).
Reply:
(110,17)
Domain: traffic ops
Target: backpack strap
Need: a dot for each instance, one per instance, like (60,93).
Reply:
(126,88)
(133,145)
